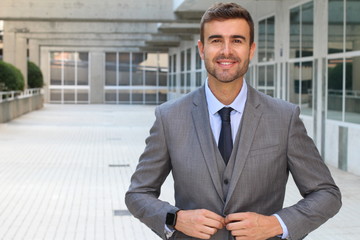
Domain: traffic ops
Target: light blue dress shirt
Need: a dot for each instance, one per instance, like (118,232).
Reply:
(214,105)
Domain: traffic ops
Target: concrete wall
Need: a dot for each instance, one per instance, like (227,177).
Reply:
(17,107)
(87,9)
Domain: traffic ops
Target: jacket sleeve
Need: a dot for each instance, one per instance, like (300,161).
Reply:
(321,197)
(153,168)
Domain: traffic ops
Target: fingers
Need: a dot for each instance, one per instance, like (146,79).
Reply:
(252,226)
(235,217)
(214,219)
(199,223)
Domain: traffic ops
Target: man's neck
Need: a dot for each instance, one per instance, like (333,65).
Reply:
(225,92)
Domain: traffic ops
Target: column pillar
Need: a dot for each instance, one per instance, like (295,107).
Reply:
(15,52)
(9,47)
(34,51)
(320,53)
(97,77)
(21,57)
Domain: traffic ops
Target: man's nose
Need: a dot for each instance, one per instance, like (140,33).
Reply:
(226,49)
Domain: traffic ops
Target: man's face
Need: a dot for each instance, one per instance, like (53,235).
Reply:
(226,50)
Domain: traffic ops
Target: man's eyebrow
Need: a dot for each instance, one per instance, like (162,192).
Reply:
(232,36)
(214,36)
(238,36)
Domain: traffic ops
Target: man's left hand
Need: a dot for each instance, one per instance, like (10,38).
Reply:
(252,226)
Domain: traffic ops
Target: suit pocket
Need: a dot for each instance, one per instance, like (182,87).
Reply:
(265,150)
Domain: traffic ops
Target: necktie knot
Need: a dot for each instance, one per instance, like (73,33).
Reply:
(225,114)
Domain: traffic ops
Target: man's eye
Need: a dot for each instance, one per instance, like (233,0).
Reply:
(216,40)
(237,41)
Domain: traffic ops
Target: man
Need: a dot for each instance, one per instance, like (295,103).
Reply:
(230,171)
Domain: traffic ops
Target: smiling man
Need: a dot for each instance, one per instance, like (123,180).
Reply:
(230,149)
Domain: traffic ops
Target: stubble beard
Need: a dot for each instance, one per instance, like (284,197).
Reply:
(225,76)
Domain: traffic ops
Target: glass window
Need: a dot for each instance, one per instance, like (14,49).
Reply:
(110,69)
(83,68)
(55,68)
(295,32)
(69,77)
(124,96)
(69,68)
(198,79)
(150,96)
(124,69)
(352,96)
(302,30)
(182,61)
(301,85)
(137,96)
(182,81)
(82,96)
(188,59)
(266,78)
(55,95)
(141,75)
(306,84)
(110,96)
(69,95)
(188,79)
(307,29)
(150,65)
(249,76)
(262,77)
(352,25)
(138,69)
(162,77)
(262,41)
(171,73)
(270,75)
(335,89)
(336,26)
(266,43)
(271,38)
(338,18)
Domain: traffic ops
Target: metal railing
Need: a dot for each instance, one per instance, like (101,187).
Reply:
(11,95)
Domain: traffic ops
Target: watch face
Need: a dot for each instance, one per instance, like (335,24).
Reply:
(170,219)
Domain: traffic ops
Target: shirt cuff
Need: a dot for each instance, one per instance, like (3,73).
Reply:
(285,234)
(168,232)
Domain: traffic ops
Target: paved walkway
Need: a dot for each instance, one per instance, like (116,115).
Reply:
(64,171)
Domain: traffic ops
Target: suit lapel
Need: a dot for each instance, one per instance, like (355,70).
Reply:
(249,123)
(200,116)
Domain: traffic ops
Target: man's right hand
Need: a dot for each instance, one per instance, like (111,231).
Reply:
(199,223)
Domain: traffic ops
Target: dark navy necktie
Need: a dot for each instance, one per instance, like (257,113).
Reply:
(225,140)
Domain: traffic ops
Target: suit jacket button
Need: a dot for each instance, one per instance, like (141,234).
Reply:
(226,182)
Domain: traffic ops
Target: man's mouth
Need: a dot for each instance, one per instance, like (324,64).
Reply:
(226,62)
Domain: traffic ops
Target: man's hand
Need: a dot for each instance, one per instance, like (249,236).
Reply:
(200,223)
(252,226)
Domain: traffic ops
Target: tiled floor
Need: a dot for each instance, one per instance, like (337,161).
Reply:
(64,171)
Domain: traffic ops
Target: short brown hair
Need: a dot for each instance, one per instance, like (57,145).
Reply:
(223,11)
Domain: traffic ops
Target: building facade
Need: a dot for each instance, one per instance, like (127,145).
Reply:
(145,52)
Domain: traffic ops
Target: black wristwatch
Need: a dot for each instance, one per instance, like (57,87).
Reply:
(171,218)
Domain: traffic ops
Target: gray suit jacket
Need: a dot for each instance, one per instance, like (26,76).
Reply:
(272,142)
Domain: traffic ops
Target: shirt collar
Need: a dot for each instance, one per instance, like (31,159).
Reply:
(214,105)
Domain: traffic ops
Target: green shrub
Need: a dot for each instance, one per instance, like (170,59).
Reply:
(35,77)
(11,77)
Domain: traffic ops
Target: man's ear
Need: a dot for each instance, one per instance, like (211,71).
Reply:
(201,49)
